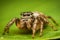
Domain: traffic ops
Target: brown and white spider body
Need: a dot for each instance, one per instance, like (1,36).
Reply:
(32,21)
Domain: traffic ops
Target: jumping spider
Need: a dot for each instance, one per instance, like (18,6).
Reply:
(31,21)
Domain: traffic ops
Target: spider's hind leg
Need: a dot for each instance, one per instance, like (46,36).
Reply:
(46,21)
(6,29)
(52,20)
(53,27)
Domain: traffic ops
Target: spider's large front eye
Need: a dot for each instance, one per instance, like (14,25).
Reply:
(28,15)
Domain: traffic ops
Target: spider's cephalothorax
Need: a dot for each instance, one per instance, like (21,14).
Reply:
(32,21)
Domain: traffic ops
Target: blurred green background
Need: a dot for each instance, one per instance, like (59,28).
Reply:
(12,8)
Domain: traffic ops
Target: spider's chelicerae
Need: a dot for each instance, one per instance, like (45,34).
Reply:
(31,21)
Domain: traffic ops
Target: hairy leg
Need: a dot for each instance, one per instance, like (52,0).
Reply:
(6,29)
(53,27)
(41,25)
(52,19)
(34,28)
(41,28)
(44,18)
(46,21)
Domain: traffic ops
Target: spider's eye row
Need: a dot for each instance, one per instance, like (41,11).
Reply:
(28,15)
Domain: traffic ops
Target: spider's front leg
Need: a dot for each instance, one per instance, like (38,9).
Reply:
(34,28)
(6,29)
